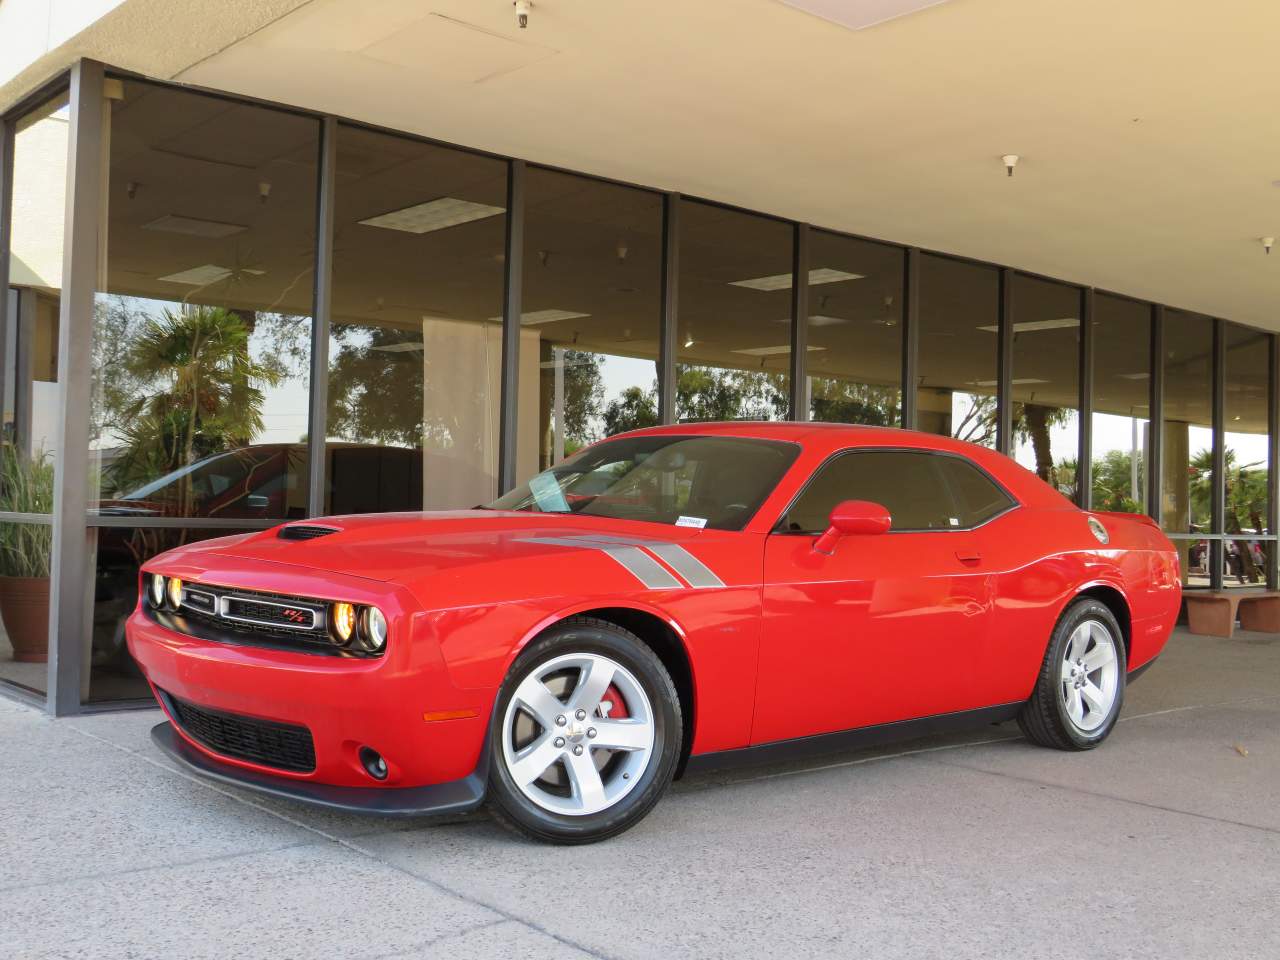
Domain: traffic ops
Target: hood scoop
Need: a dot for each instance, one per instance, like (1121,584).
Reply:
(303,531)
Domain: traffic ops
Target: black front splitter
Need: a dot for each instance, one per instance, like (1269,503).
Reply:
(456,796)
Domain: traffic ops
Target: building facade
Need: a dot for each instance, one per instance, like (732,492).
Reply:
(222,313)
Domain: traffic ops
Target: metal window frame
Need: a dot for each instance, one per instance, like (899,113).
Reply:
(1218,499)
(1004,364)
(321,321)
(1155,430)
(799,368)
(1084,456)
(669,323)
(512,304)
(910,335)
(1273,458)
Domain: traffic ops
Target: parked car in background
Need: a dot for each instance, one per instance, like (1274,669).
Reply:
(678,597)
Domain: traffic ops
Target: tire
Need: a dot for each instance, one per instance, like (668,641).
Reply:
(630,735)
(1080,689)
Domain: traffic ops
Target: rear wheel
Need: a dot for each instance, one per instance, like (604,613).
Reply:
(1080,689)
(586,734)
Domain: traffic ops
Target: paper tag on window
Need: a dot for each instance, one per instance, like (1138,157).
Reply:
(547,494)
(698,522)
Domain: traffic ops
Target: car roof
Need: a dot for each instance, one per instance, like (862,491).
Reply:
(822,439)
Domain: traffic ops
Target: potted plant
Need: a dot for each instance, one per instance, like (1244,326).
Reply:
(26,486)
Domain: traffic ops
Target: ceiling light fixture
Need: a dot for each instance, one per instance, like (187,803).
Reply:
(194,227)
(1268,243)
(772,351)
(264,191)
(782,281)
(206,274)
(1010,160)
(1028,326)
(689,341)
(859,16)
(522,12)
(433,215)
(544,316)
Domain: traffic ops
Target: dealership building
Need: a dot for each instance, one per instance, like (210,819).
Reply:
(273,259)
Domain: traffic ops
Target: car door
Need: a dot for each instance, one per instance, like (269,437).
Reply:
(887,627)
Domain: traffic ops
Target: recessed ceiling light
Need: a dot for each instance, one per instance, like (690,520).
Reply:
(865,13)
(1030,325)
(194,226)
(405,346)
(1019,382)
(782,281)
(205,275)
(819,320)
(544,316)
(772,351)
(1135,376)
(433,215)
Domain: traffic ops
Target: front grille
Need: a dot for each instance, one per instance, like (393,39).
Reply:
(264,613)
(302,531)
(281,746)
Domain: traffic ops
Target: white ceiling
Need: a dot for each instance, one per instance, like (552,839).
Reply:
(1148,129)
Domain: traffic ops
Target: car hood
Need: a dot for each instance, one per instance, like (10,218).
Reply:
(399,546)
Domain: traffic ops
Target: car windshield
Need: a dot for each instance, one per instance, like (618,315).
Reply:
(688,481)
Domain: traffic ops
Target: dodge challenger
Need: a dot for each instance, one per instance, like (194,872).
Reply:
(673,599)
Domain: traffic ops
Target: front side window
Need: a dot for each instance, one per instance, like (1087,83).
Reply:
(921,491)
(715,482)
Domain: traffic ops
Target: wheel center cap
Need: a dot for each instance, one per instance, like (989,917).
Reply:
(575,731)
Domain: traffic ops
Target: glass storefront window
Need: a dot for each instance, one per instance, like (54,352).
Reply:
(35,279)
(1045,380)
(1121,403)
(116,557)
(416,348)
(25,551)
(734,337)
(591,313)
(855,330)
(202,325)
(959,346)
(1186,482)
(1247,441)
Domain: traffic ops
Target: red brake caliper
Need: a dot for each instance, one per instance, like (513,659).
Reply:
(614,706)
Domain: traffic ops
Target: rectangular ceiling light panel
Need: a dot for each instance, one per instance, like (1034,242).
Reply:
(1031,325)
(772,351)
(194,227)
(535,317)
(782,281)
(433,215)
(204,275)
(860,14)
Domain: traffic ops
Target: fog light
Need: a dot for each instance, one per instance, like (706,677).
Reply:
(344,620)
(175,592)
(373,763)
(155,590)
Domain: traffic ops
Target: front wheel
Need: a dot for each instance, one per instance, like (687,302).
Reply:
(1080,689)
(586,734)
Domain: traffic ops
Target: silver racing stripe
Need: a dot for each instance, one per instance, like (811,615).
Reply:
(632,556)
(683,562)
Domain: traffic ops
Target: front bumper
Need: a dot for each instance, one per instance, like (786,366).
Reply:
(456,796)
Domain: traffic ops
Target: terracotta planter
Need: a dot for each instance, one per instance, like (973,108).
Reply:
(24,606)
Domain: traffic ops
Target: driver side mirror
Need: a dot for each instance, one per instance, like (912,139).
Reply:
(853,518)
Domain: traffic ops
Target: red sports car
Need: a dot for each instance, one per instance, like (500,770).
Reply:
(676,598)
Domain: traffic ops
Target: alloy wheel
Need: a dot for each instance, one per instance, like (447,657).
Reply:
(578,734)
(1090,676)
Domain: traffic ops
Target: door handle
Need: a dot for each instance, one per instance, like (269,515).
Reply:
(968,556)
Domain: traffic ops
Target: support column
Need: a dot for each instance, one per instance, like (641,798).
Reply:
(800,322)
(512,301)
(668,338)
(70,602)
(321,323)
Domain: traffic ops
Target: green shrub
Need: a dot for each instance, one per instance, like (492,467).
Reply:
(26,486)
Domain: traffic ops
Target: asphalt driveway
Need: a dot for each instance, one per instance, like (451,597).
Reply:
(1164,842)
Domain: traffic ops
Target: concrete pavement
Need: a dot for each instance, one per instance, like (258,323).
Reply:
(1165,842)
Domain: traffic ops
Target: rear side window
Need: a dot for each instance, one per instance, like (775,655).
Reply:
(921,490)
(977,498)
(906,482)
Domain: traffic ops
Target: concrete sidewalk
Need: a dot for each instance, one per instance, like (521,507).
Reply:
(1165,842)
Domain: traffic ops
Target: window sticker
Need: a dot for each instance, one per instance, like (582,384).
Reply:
(547,494)
(698,522)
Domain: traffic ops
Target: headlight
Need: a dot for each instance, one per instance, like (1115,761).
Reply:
(175,592)
(373,630)
(343,616)
(155,590)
